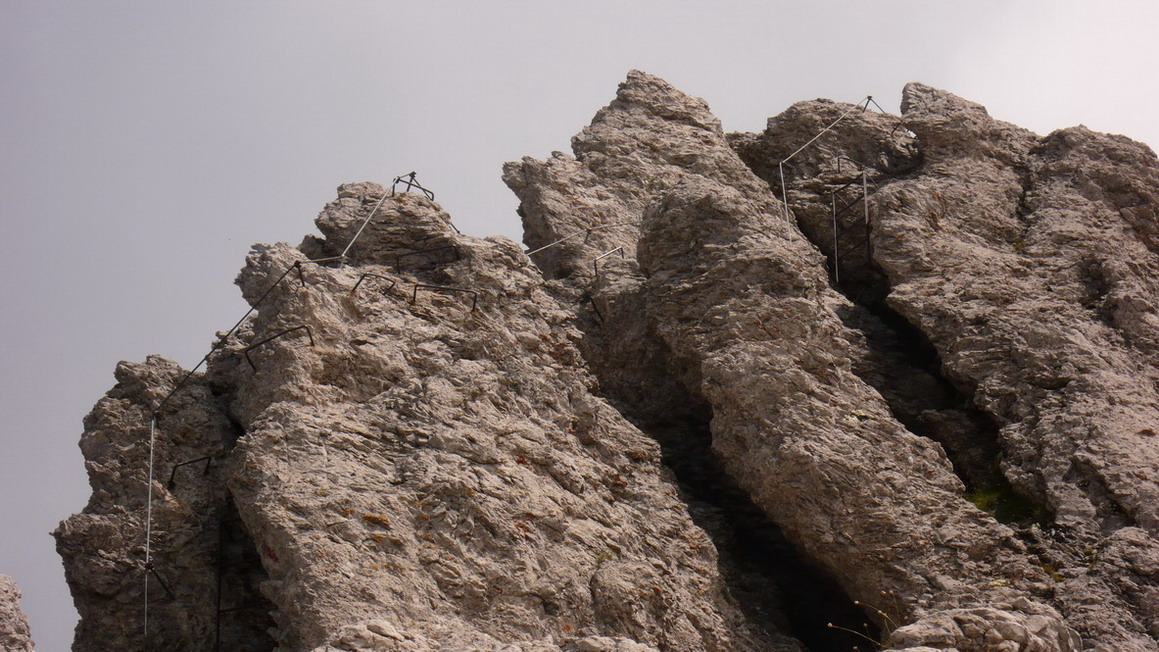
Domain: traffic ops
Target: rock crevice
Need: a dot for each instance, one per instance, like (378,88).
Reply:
(421,440)
(994,250)
(742,303)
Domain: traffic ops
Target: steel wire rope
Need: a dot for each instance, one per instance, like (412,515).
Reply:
(185,379)
(587,231)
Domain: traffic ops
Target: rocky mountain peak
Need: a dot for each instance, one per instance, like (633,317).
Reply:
(903,384)
(644,99)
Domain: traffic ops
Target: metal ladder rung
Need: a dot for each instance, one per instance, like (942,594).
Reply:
(854,247)
(849,228)
(862,221)
(846,208)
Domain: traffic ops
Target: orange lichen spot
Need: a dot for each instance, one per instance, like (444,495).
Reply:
(376,519)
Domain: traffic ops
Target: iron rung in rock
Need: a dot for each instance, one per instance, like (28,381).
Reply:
(275,336)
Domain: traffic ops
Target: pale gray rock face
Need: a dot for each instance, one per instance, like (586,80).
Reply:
(431,446)
(986,629)
(103,547)
(14,635)
(1030,265)
(735,302)
(446,472)
(416,468)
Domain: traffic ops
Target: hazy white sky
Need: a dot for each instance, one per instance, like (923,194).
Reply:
(145,146)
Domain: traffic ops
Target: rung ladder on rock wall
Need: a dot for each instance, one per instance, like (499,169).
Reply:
(852,225)
(849,203)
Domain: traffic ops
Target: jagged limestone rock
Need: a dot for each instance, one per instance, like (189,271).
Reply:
(103,547)
(987,629)
(436,461)
(14,633)
(736,301)
(420,468)
(438,449)
(1029,263)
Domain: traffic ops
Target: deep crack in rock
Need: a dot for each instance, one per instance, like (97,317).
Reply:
(438,470)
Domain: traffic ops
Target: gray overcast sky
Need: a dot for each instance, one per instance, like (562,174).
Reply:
(145,146)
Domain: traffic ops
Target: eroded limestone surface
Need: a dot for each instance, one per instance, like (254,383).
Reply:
(419,468)
(14,635)
(103,547)
(445,443)
(1029,263)
(736,302)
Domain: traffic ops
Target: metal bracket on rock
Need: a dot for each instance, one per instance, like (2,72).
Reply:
(368,274)
(443,288)
(208,459)
(151,570)
(275,336)
(587,296)
(398,257)
(587,233)
(856,164)
(319,261)
(409,180)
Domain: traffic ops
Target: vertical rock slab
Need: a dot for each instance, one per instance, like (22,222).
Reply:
(1031,264)
(1021,260)
(735,302)
(103,547)
(578,208)
(14,633)
(425,465)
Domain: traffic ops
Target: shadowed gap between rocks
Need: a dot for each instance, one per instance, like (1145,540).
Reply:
(242,614)
(244,617)
(905,368)
(776,586)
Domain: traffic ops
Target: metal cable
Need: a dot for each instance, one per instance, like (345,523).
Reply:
(863,104)
(833,124)
(586,231)
(149,523)
(221,341)
(185,379)
(364,223)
